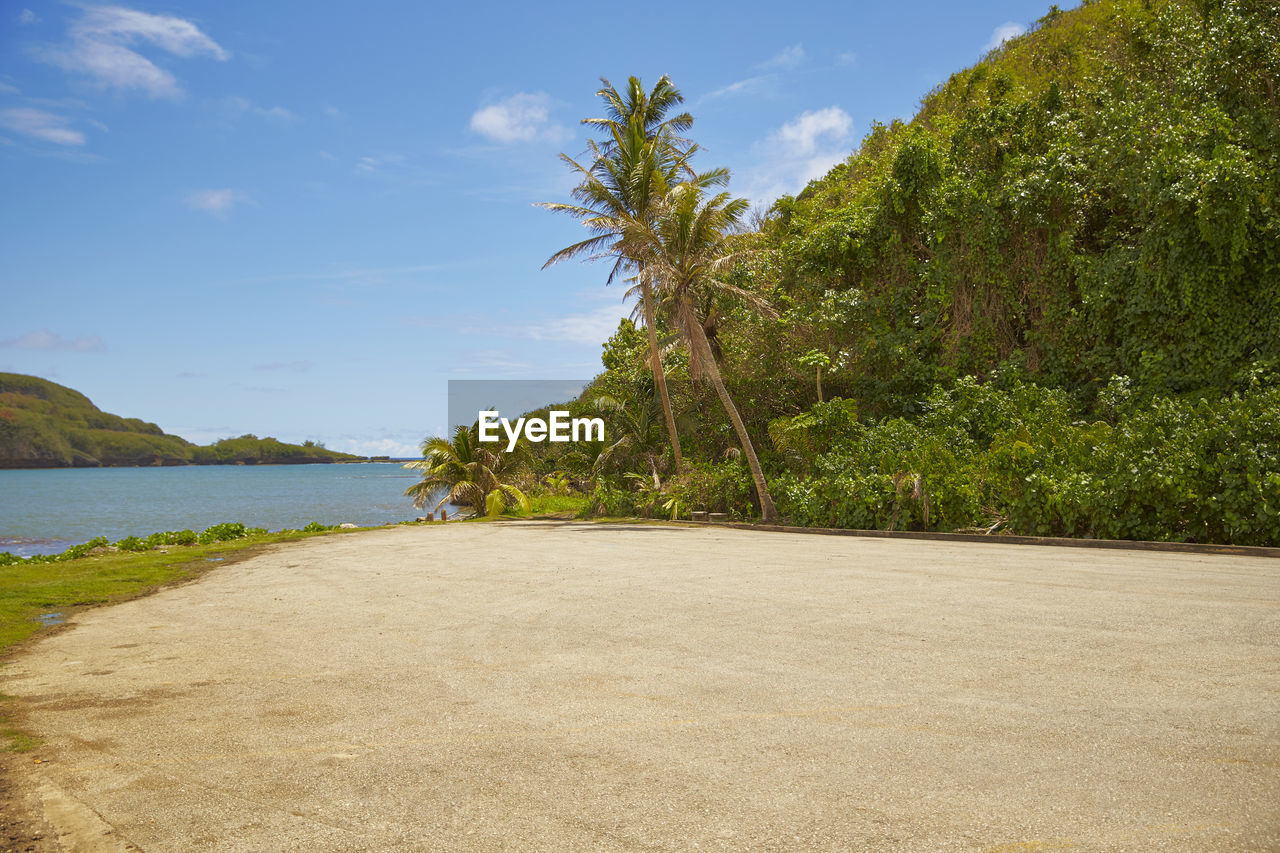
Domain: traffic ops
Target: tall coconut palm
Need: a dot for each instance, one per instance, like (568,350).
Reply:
(686,250)
(641,157)
(470,472)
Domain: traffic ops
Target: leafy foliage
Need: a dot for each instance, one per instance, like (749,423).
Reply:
(1048,304)
(1020,458)
(1096,198)
(466,472)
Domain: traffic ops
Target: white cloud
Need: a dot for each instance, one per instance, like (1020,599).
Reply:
(7,89)
(785,60)
(788,57)
(102,41)
(396,448)
(217,202)
(292,366)
(39,124)
(499,363)
(594,327)
(26,16)
(279,115)
(807,133)
(846,58)
(47,340)
(524,117)
(749,86)
(802,149)
(233,108)
(380,162)
(1002,34)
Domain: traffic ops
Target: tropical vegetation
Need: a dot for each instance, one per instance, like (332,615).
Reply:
(1047,304)
(465,472)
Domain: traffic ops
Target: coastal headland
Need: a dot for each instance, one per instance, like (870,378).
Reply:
(47,425)
(574,686)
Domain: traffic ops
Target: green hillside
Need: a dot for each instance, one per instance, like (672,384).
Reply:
(46,425)
(1047,304)
(1097,197)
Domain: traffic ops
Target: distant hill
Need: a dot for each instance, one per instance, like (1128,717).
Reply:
(47,425)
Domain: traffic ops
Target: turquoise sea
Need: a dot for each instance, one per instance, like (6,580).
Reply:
(47,511)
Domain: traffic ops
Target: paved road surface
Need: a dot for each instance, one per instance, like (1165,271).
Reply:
(548,686)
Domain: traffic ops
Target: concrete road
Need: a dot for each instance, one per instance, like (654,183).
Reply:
(562,686)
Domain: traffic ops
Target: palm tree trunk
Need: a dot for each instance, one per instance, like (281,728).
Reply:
(767,510)
(655,363)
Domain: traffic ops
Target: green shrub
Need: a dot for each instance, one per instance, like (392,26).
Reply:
(133,543)
(222,532)
(1019,456)
(83,549)
(609,499)
(724,487)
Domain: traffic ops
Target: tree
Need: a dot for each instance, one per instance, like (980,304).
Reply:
(641,157)
(472,474)
(635,420)
(686,249)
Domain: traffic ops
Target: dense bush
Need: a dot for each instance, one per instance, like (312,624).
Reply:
(1019,457)
(724,487)
(609,498)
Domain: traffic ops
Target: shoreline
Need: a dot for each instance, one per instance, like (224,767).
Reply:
(44,511)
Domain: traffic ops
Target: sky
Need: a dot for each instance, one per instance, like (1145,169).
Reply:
(301,219)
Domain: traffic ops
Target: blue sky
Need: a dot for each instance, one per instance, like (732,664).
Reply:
(301,219)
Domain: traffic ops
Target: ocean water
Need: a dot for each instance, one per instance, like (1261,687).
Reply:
(47,511)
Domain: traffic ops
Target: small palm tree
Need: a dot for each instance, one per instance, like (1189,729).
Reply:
(637,423)
(687,249)
(472,475)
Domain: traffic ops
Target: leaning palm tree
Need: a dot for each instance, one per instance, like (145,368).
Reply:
(686,250)
(641,156)
(468,473)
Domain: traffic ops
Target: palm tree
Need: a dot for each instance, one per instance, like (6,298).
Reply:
(641,157)
(472,474)
(686,249)
(636,421)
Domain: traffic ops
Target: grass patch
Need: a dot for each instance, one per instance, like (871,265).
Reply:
(543,506)
(546,504)
(29,590)
(18,740)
